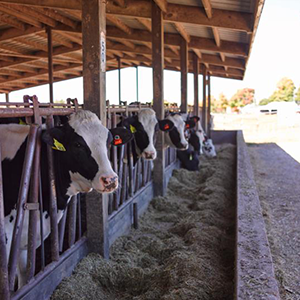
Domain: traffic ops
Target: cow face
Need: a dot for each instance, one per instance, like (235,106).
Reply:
(143,126)
(81,147)
(176,137)
(194,142)
(209,148)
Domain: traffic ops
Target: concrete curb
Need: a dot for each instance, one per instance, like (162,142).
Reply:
(254,271)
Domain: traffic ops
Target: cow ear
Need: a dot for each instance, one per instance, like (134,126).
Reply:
(121,136)
(165,125)
(189,124)
(129,121)
(54,137)
(195,119)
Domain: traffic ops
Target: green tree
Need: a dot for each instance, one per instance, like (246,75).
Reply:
(285,90)
(297,95)
(264,101)
(241,98)
(219,105)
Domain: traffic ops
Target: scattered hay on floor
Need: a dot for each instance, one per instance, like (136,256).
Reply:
(184,248)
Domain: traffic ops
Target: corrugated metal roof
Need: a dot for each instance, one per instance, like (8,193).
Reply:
(233,36)
(187,2)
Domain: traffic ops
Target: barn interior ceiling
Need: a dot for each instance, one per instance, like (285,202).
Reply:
(219,32)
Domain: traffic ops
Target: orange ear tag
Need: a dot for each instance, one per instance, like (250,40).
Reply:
(167,126)
(187,126)
(117,140)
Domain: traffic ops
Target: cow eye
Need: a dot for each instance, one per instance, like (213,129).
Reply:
(77,145)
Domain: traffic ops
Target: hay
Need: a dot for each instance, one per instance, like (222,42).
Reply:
(184,248)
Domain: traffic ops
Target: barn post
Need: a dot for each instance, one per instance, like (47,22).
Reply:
(196,84)
(119,78)
(137,83)
(158,96)
(208,106)
(7,97)
(204,99)
(50,62)
(184,72)
(94,68)
(4,287)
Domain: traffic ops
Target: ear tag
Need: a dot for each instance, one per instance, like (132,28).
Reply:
(187,126)
(21,122)
(58,146)
(132,129)
(191,157)
(167,126)
(117,140)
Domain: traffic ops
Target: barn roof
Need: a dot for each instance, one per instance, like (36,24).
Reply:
(219,32)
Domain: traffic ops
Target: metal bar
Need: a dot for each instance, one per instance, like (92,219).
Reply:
(4,287)
(28,112)
(53,201)
(41,223)
(33,214)
(79,225)
(115,160)
(208,108)
(72,221)
(7,97)
(130,169)
(121,167)
(204,99)
(23,192)
(61,230)
(196,84)
(50,62)
(135,216)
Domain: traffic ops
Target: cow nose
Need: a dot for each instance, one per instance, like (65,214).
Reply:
(149,155)
(110,183)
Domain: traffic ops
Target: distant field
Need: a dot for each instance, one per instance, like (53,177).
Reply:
(283,130)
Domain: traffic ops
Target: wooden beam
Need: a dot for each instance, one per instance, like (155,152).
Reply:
(180,28)
(196,83)
(162,4)
(71,37)
(174,49)
(17,14)
(187,14)
(204,84)
(146,23)
(34,44)
(121,3)
(207,7)
(11,33)
(184,72)
(222,57)
(158,96)
(198,53)
(216,36)
(118,23)
(54,14)
(64,4)
(12,22)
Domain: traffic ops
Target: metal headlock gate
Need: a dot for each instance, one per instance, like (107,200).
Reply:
(55,259)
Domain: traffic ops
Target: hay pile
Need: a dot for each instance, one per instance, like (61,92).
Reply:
(184,248)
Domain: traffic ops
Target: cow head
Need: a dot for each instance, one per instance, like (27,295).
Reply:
(176,137)
(209,148)
(81,146)
(143,126)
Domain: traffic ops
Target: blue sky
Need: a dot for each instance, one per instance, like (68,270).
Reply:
(275,54)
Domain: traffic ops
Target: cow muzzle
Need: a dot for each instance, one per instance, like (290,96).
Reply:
(109,183)
(149,155)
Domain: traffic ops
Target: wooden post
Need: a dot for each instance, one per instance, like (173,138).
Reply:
(119,77)
(94,68)
(94,56)
(137,83)
(50,62)
(204,100)
(208,107)
(196,84)
(158,96)
(184,72)
(7,97)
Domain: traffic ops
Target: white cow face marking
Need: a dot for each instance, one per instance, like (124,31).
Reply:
(176,137)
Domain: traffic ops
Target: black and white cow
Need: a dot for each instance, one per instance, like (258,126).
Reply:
(81,164)
(144,125)
(176,137)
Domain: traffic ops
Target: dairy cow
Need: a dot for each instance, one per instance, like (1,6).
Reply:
(81,163)
(176,137)
(144,125)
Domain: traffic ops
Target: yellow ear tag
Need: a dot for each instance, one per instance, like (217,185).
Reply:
(58,146)
(132,129)
(21,122)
